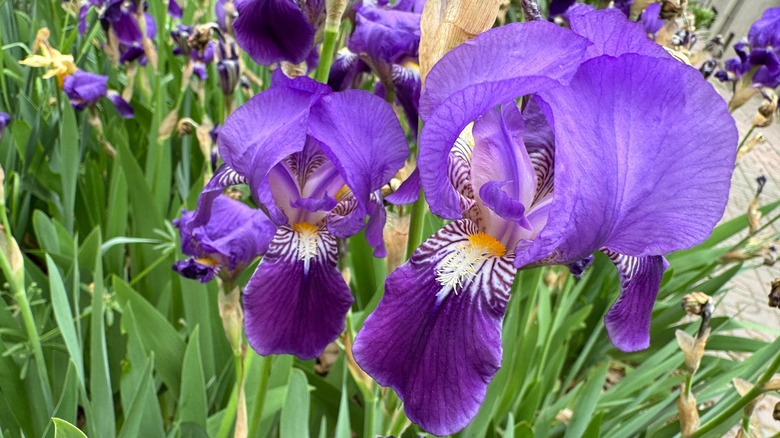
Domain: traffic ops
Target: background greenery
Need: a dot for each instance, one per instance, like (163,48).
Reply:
(99,336)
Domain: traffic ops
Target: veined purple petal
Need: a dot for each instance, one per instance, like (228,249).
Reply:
(224,177)
(84,88)
(407,192)
(253,149)
(497,66)
(634,188)
(296,301)
(344,69)
(612,33)
(628,319)
(361,135)
(435,337)
(273,30)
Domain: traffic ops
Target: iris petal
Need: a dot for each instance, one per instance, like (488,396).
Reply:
(438,347)
(296,301)
(273,30)
(628,319)
(635,188)
(502,64)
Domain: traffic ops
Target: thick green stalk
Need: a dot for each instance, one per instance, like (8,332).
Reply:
(369,415)
(328,49)
(257,410)
(754,392)
(416,225)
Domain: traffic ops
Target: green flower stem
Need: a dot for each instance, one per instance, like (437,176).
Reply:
(16,282)
(754,392)
(257,410)
(416,225)
(745,138)
(369,413)
(328,49)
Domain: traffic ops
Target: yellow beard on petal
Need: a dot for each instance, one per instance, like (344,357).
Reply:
(307,234)
(461,265)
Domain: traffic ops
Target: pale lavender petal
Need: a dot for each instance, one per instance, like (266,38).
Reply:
(504,205)
(495,67)
(438,348)
(296,301)
(273,30)
(623,183)
(628,319)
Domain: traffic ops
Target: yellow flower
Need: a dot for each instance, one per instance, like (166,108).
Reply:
(59,65)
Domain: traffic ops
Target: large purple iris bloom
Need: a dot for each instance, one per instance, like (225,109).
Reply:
(760,54)
(233,237)
(315,161)
(619,148)
(271,31)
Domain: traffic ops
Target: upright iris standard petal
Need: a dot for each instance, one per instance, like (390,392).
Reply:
(766,31)
(628,320)
(273,30)
(296,300)
(651,18)
(285,114)
(611,34)
(635,188)
(436,335)
(505,63)
(361,135)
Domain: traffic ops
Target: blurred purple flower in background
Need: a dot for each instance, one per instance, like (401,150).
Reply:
(272,31)
(5,120)
(651,19)
(315,164)
(85,89)
(121,18)
(583,167)
(759,56)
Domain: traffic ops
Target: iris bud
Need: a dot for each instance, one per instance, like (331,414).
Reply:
(228,68)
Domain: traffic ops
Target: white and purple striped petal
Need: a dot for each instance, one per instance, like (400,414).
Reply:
(296,301)
(436,335)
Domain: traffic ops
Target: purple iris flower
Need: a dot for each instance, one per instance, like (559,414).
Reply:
(5,120)
(85,89)
(271,31)
(200,58)
(315,164)
(388,38)
(760,53)
(233,237)
(619,148)
(174,10)
(121,17)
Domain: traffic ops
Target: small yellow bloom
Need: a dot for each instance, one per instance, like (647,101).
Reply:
(59,65)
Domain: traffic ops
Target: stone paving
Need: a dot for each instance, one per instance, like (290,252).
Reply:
(746,297)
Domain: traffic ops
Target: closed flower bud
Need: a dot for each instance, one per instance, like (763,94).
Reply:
(774,293)
(697,303)
(228,68)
